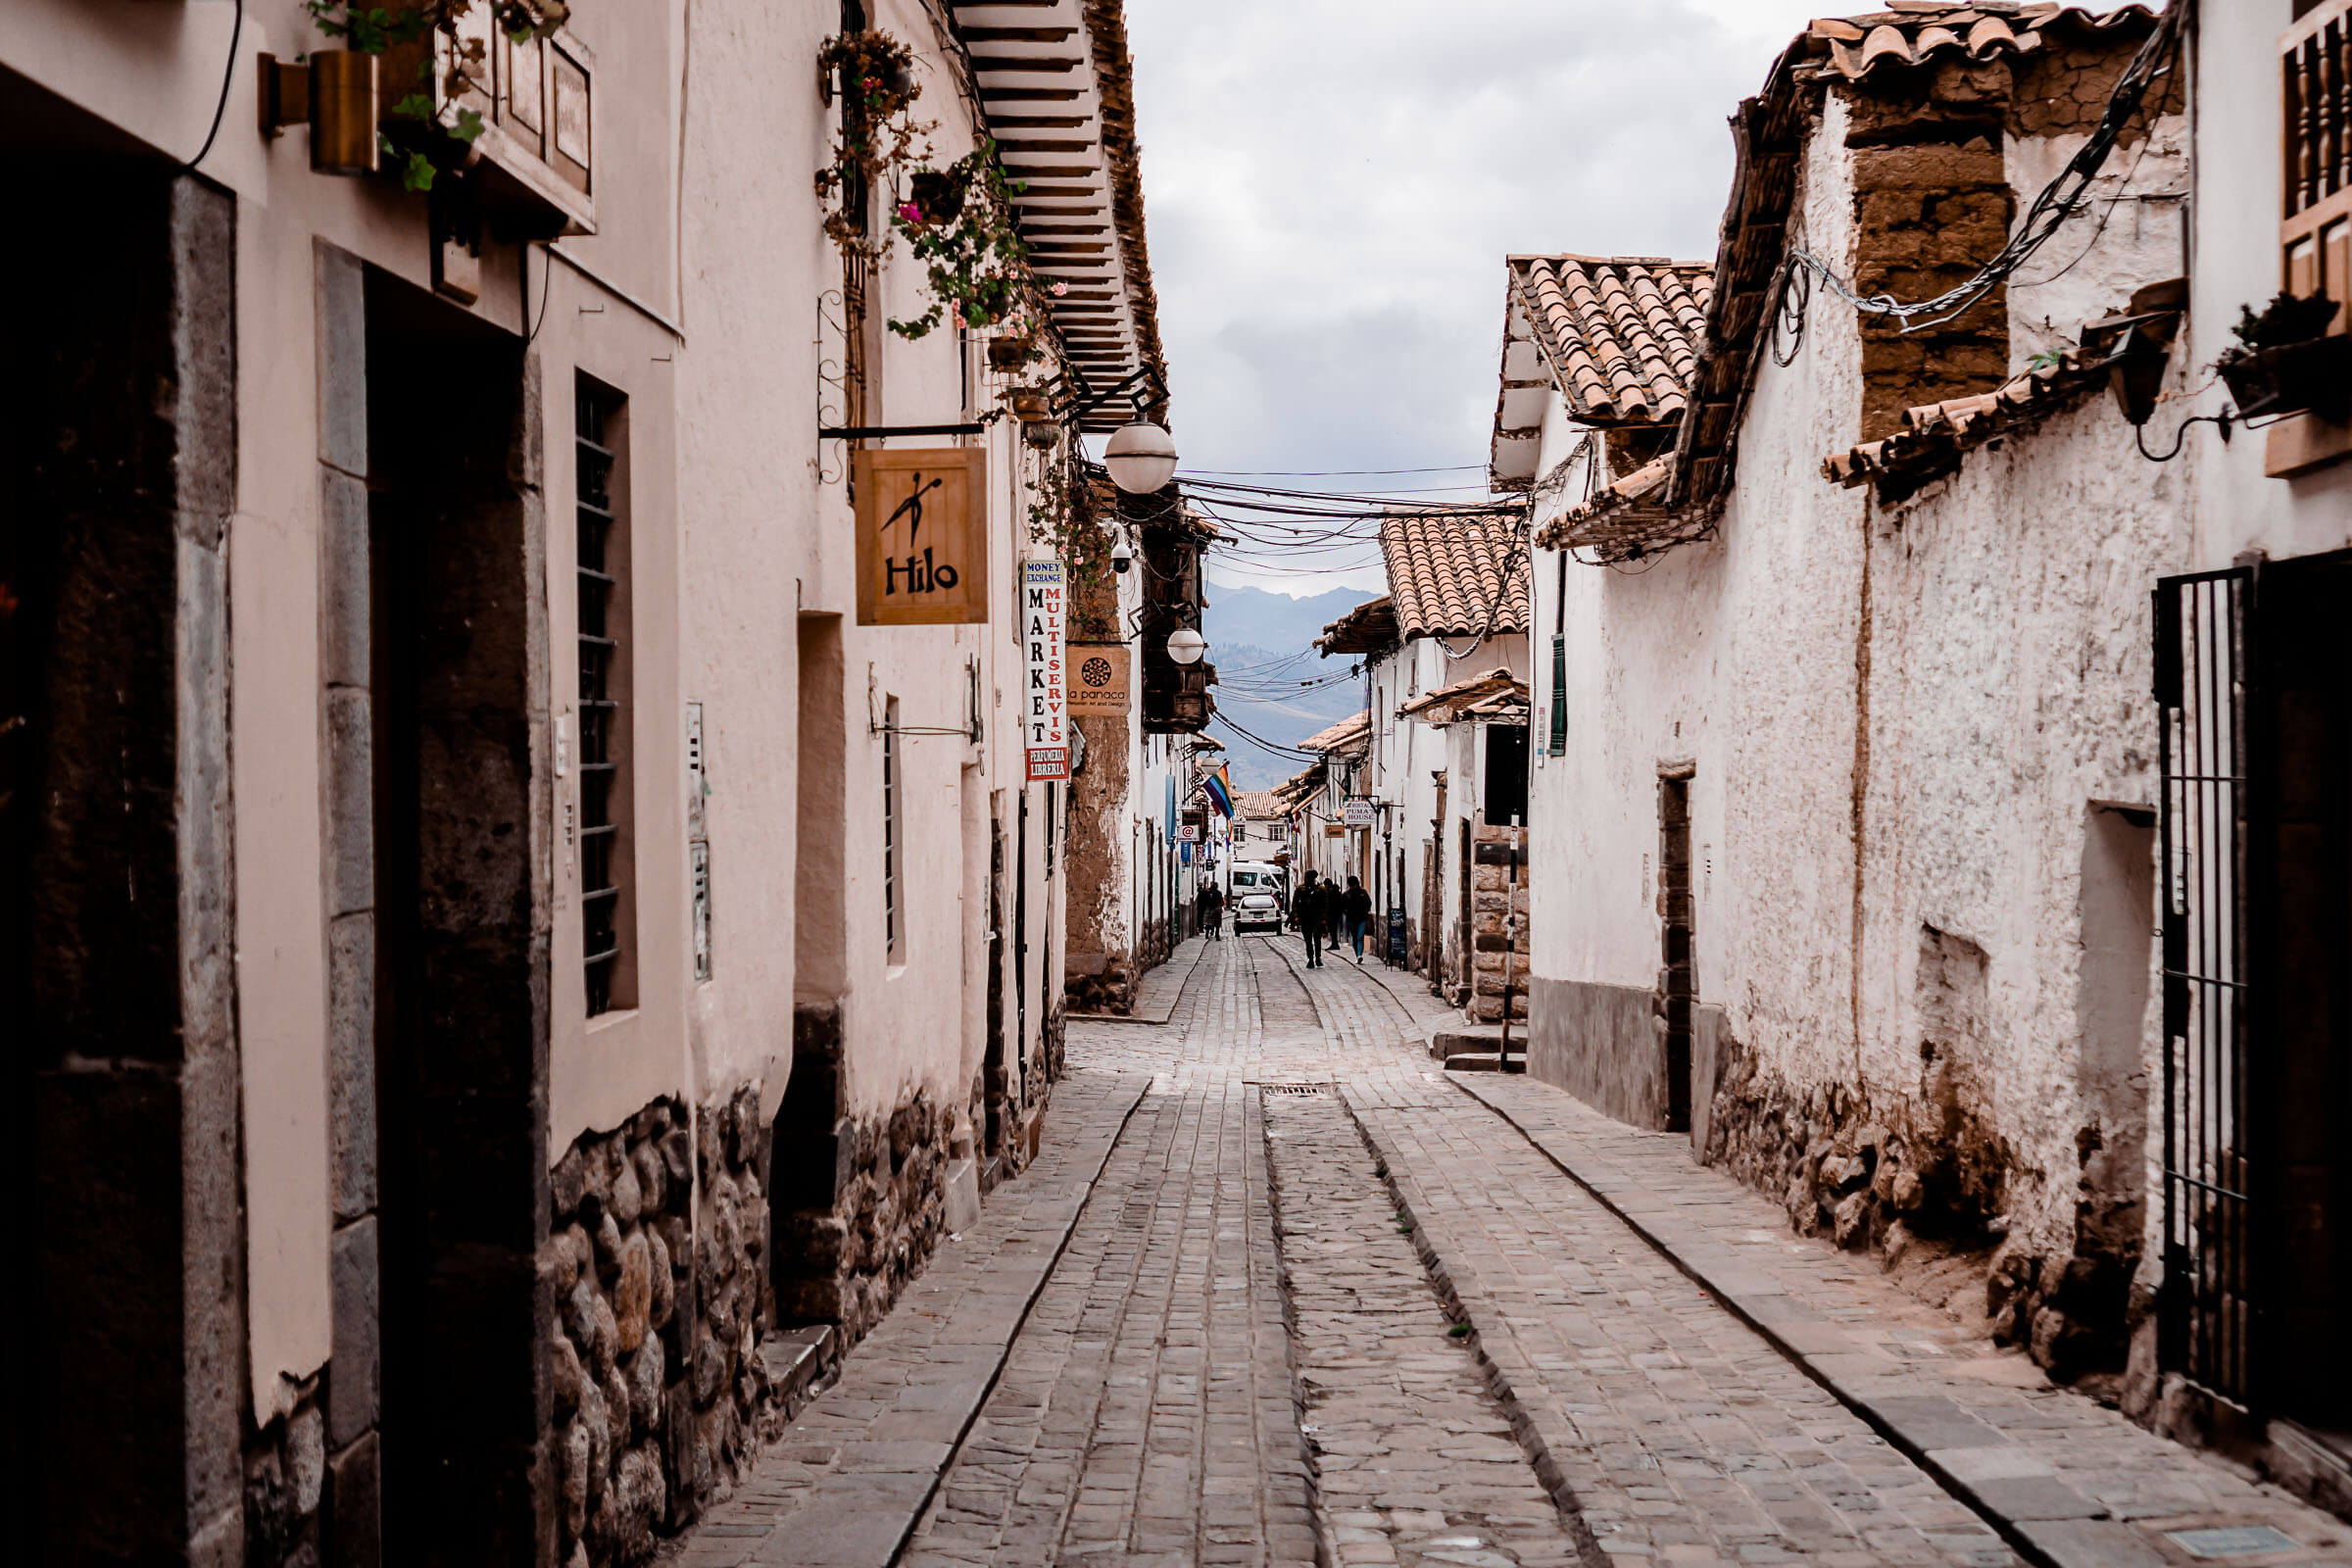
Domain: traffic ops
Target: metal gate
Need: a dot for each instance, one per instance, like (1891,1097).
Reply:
(2209,1271)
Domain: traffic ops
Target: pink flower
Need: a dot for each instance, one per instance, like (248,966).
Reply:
(1059,289)
(910,213)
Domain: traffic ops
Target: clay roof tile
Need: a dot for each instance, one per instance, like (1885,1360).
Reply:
(1455,574)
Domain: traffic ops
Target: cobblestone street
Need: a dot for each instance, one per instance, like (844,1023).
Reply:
(1279,1290)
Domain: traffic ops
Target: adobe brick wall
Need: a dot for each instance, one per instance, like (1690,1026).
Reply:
(1931,203)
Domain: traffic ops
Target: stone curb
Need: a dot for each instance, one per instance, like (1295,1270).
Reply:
(865,1515)
(1549,1473)
(2043,1519)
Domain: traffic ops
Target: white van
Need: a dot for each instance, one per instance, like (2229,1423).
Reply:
(1256,896)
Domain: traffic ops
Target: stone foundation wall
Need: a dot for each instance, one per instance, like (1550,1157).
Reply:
(1493,899)
(1601,1044)
(1108,985)
(1881,1172)
(661,1299)
(846,1264)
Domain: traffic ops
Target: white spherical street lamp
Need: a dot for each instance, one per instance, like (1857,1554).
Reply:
(1141,458)
(1186,646)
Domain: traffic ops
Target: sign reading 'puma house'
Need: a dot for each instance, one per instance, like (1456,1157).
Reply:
(922,537)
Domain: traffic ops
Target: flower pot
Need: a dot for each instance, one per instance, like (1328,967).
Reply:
(1010,353)
(1031,403)
(2315,376)
(939,195)
(343,97)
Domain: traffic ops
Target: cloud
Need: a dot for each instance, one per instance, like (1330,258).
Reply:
(1331,189)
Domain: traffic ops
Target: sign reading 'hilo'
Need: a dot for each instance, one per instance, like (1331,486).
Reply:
(1046,696)
(922,536)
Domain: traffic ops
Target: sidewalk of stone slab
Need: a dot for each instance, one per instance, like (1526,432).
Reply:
(851,1476)
(1156,995)
(2068,1481)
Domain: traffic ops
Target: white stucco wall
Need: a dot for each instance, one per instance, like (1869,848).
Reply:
(1897,717)
(2236,263)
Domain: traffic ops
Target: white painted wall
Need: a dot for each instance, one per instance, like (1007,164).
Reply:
(1897,717)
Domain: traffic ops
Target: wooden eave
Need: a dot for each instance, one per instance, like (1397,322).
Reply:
(1056,93)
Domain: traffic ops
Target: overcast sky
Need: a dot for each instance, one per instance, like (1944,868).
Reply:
(1330,186)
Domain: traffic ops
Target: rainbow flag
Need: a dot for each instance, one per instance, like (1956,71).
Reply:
(1220,791)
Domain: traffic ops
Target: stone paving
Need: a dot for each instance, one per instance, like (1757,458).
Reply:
(2077,1480)
(1415,1458)
(1279,1290)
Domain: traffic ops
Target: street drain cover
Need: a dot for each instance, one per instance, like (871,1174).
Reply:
(1292,1089)
(2237,1540)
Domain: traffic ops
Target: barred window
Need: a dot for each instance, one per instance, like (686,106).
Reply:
(604,782)
(893,921)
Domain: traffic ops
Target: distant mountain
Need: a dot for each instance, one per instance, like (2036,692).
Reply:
(1263,647)
(1263,619)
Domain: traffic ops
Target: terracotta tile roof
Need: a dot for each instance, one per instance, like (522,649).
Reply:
(1443,706)
(1912,32)
(1299,786)
(1640,514)
(1350,734)
(1621,333)
(1369,628)
(1455,574)
(1258,805)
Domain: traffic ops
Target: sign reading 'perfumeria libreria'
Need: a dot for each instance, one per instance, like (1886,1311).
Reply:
(922,536)
(1046,696)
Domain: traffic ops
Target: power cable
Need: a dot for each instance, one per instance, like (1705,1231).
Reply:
(228,74)
(2057,201)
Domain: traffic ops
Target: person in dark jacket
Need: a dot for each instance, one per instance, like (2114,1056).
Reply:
(1309,908)
(1356,905)
(1334,912)
(1213,911)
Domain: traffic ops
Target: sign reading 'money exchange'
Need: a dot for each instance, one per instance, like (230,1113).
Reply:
(922,536)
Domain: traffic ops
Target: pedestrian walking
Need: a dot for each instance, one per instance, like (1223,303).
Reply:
(1356,905)
(1334,912)
(1308,906)
(1212,912)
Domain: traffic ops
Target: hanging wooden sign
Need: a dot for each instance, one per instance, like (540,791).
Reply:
(1099,677)
(922,536)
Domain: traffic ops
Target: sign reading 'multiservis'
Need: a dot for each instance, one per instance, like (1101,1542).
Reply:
(1045,695)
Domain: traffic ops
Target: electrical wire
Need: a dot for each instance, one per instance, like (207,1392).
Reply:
(228,74)
(1323,474)
(2057,201)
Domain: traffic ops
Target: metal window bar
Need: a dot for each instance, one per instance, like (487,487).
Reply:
(1559,696)
(891,935)
(2210,1299)
(599,769)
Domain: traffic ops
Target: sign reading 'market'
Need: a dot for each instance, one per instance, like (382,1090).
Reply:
(1045,697)
(922,536)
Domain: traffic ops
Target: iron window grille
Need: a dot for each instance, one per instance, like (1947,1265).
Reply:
(893,935)
(2210,1299)
(602,558)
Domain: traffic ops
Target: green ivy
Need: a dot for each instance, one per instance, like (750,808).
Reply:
(974,262)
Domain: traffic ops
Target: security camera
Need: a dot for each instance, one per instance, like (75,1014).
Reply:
(1122,555)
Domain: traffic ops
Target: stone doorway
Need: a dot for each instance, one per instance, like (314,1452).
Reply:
(1677,961)
(453,712)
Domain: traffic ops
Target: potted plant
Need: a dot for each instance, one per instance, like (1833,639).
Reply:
(937,194)
(2286,362)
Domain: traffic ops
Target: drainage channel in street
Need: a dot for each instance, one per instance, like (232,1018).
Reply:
(1416,1460)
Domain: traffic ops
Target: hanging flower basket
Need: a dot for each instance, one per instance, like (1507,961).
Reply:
(937,194)
(2312,376)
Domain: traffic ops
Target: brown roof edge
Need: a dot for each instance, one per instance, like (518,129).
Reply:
(1114,82)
